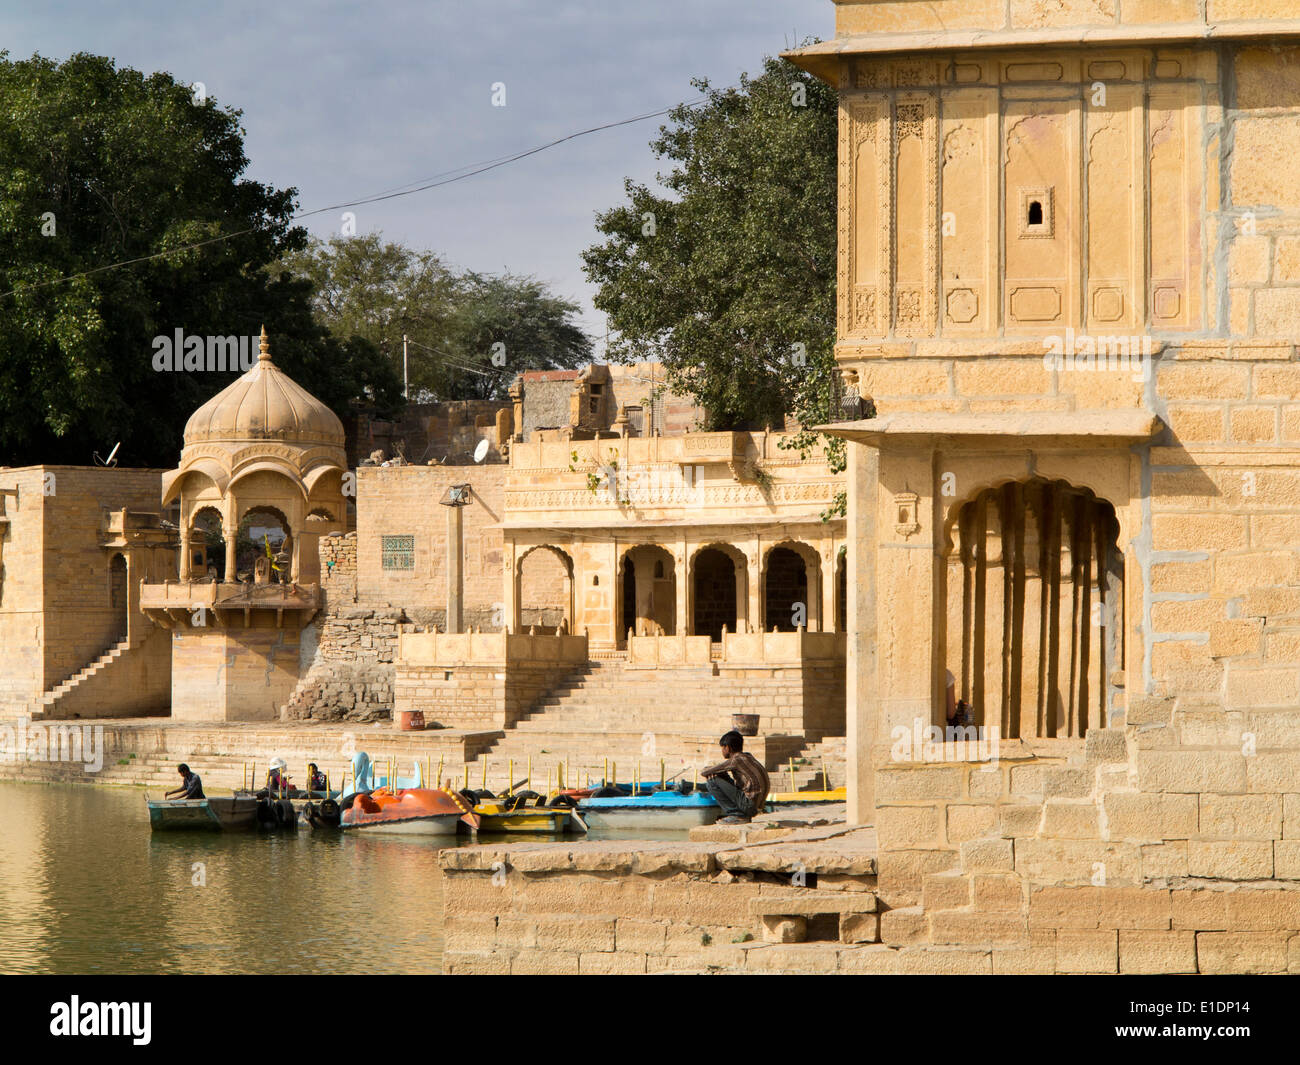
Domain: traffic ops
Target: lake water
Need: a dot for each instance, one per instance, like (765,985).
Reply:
(86,887)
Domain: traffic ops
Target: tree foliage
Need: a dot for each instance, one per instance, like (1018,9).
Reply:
(469,333)
(99,165)
(727,273)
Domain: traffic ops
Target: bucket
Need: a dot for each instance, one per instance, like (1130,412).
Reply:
(410,720)
(745,724)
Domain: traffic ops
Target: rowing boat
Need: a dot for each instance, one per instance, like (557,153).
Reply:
(211,814)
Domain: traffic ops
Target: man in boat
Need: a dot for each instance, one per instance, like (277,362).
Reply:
(277,780)
(315,778)
(191,785)
(739,782)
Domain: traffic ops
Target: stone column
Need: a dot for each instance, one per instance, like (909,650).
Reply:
(812,581)
(682,579)
(862,694)
(742,595)
(186,561)
(828,590)
(455,570)
(510,608)
(230,529)
(755,612)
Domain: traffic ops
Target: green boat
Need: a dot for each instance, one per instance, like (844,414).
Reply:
(221,814)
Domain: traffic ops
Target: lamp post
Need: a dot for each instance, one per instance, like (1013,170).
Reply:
(456,497)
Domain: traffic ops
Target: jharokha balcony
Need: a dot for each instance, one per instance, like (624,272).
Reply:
(224,604)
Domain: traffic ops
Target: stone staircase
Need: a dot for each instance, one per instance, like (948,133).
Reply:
(607,710)
(830,753)
(47,701)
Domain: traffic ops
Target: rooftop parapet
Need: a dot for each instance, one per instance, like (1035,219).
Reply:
(864,27)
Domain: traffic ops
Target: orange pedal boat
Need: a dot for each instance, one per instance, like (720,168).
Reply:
(408,811)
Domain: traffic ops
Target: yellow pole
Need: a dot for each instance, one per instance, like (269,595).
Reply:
(510,772)
(636,784)
(567,779)
(695,777)
(606,780)
(529,782)
(826,781)
(663,780)
(440,757)
(615,772)
(484,784)
(792,773)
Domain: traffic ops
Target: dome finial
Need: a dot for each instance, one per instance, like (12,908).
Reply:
(265,348)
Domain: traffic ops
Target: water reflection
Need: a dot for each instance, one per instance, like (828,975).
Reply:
(85,887)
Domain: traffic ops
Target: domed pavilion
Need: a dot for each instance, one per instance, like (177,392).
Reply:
(260,481)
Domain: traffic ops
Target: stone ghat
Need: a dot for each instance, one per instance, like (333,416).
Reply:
(788,893)
(146,752)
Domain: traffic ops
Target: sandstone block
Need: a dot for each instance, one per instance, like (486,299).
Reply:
(1087,951)
(1157,952)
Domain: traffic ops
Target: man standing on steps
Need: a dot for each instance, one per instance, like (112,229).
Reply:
(739,782)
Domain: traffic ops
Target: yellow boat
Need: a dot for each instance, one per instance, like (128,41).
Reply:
(543,820)
(782,798)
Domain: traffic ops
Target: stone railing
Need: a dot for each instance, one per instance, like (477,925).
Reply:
(487,648)
(737,649)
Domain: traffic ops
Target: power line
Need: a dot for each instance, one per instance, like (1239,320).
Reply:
(437,181)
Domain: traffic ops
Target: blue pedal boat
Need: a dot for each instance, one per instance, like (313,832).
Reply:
(664,809)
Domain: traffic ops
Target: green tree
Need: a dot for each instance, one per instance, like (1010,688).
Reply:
(469,333)
(727,273)
(100,165)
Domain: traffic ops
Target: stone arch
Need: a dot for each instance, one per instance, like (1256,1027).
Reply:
(719,589)
(791,576)
(261,525)
(1033,589)
(544,596)
(647,590)
(207,544)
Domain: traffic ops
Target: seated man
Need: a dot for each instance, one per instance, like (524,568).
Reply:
(191,785)
(315,778)
(739,782)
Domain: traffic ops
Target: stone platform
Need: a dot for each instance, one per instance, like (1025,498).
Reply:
(145,751)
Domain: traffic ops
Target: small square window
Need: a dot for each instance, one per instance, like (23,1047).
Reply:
(397,552)
(1037,212)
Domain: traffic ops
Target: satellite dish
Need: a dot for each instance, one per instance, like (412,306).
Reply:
(112,456)
(480,452)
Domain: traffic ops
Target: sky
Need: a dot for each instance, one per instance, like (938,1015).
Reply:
(346,100)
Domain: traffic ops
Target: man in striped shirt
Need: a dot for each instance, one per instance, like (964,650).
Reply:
(739,782)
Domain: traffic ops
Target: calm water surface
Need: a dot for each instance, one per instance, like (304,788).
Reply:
(85,887)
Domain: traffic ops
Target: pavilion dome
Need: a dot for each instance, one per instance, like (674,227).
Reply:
(265,404)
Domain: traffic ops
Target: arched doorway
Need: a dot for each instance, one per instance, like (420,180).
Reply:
(714,593)
(1034,592)
(545,590)
(785,591)
(264,545)
(118,598)
(649,585)
(207,546)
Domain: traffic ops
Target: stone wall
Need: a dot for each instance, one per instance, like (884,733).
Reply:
(338,568)
(646,908)
(56,609)
(349,672)
(403,501)
(481,680)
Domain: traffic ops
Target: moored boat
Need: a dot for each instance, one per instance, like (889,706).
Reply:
(409,811)
(496,816)
(666,809)
(210,814)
